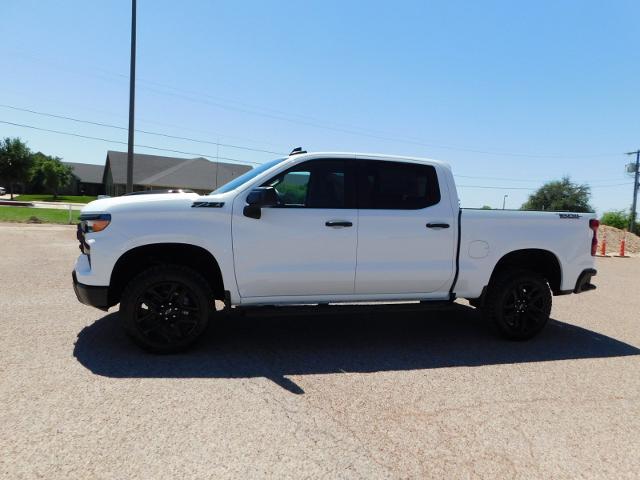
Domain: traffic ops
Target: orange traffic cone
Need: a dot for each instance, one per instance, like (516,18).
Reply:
(603,245)
(622,245)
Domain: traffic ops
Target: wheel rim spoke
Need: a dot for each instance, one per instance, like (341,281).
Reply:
(536,308)
(154,295)
(173,289)
(167,312)
(186,318)
(175,331)
(145,317)
(524,307)
(150,301)
(189,308)
(152,328)
(511,319)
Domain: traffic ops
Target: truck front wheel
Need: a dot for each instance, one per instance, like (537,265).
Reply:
(166,308)
(518,304)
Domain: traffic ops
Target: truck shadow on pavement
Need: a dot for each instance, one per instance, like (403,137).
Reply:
(373,341)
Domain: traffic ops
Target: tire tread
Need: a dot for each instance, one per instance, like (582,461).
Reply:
(196,281)
(492,301)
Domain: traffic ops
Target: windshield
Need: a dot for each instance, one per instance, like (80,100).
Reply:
(251,174)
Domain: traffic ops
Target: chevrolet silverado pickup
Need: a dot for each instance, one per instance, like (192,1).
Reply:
(318,228)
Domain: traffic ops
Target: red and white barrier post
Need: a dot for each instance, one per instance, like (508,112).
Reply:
(603,245)
(622,245)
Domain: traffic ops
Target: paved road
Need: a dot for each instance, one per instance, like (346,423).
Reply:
(376,395)
(59,205)
(55,205)
(46,204)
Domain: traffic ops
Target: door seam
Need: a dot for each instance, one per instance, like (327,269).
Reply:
(355,270)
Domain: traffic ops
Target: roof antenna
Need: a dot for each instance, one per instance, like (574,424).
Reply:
(297,151)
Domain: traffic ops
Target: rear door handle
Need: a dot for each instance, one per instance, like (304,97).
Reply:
(437,225)
(338,223)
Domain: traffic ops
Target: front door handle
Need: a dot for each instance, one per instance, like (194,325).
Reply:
(437,225)
(338,223)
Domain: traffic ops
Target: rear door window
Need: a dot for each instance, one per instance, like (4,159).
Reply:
(396,186)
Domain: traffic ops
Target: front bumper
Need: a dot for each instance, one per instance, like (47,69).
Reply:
(91,295)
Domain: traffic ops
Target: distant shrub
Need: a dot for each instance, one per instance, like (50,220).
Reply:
(618,219)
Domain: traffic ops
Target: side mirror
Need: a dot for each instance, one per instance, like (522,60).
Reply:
(258,198)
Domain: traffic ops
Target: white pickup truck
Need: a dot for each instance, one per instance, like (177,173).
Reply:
(318,228)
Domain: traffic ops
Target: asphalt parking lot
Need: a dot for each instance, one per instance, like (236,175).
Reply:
(382,394)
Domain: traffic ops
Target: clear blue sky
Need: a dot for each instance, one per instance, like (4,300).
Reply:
(510,93)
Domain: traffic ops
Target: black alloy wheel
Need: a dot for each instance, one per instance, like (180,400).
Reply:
(167,312)
(519,305)
(165,309)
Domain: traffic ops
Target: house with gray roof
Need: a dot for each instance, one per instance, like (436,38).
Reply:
(153,172)
(86,179)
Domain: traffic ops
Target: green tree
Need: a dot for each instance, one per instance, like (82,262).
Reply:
(486,207)
(50,172)
(618,219)
(36,180)
(15,161)
(560,195)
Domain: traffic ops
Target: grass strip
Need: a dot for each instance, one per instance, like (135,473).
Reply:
(37,215)
(60,198)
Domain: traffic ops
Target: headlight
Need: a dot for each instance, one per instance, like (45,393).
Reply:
(94,222)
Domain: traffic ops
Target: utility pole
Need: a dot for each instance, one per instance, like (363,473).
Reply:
(504,200)
(132,98)
(632,217)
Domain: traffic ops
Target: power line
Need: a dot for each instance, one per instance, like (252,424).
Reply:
(384,137)
(147,120)
(214,157)
(354,130)
(207,142)
(528,180)
(493,187)
(612,185)
(118,127)
(89,137)
(288,117)
(219,144)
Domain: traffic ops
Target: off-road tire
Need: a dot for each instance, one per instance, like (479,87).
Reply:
(166,308)
(518,304)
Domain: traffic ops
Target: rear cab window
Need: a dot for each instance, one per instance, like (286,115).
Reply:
(386,185)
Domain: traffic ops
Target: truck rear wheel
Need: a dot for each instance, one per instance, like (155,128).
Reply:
(166,308)
(518,304)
